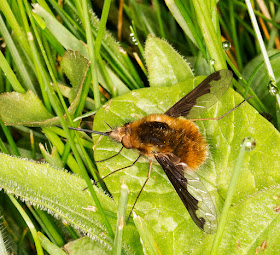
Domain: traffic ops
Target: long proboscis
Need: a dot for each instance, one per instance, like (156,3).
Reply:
(88,131)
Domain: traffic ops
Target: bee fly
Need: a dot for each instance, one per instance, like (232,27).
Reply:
(178,145)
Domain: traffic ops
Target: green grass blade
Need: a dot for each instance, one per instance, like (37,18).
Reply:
(29,224)
(48,226)
(4,65)
(51,248)
(160,21)
(19,62)
(234,34)
(5,8)
(212,41)
(121,220)
(92,56)
(10,138)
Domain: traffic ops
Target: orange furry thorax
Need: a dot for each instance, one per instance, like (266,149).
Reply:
(159,133)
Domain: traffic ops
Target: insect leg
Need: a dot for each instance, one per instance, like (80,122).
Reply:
(149,173)
(110,157)
(115,172)
(218,118)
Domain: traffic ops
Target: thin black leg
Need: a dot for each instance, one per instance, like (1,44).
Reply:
(115,172)
(149,174)
(110,157)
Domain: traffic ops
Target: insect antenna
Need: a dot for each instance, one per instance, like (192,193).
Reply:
(225,114)
(148,177)
(88,131)
(115,172)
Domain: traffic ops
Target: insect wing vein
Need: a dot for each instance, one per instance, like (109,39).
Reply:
(207,93)
(191,191)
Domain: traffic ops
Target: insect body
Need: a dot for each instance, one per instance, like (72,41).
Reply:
(178,145)
(161,134)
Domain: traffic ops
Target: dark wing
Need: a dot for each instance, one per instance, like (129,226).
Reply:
(207,93)
(192,192)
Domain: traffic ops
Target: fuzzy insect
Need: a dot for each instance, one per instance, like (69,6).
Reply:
(178,145)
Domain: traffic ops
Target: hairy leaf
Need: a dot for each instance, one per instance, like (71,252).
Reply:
(62,195)
(165,66)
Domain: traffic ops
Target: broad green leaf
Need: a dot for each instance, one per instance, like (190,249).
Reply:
(62,195)
(165,66)
(27,109)
(159,205)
